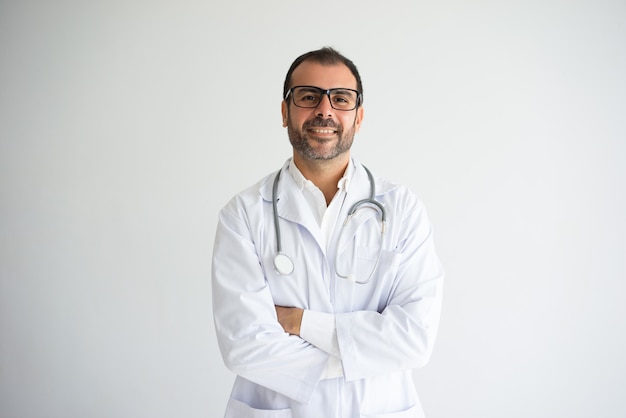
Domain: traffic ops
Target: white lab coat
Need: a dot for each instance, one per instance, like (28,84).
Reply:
(384,328)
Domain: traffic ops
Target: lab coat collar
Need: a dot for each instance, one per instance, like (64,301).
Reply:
(288,190)
(290,201)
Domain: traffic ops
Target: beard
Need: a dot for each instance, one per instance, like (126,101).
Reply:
(302,143)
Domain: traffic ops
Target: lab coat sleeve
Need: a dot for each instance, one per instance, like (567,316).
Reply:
(319,329)
(402,335)
(252,341)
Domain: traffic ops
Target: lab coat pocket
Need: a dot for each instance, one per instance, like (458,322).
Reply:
(238,409)
(413,412)
(390,259)
(373,260)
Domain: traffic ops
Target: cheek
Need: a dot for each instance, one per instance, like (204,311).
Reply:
(297,119)
(350,123)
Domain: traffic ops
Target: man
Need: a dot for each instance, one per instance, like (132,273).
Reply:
(333,325)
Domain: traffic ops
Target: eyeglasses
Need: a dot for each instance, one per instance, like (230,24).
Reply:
(311,97)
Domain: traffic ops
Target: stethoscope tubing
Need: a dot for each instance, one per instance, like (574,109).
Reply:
(283,263)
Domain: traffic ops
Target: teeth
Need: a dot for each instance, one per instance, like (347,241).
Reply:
(323,131)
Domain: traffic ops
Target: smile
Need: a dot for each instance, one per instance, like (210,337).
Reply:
(323,131)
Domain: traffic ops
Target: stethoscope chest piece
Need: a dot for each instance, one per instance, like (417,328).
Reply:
(283,264)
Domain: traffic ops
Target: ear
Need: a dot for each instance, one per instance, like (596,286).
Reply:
(358,119)
(285,112)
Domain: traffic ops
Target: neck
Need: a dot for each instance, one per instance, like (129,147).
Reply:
(325,174)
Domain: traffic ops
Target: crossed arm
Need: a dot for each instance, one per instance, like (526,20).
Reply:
(400,337)
(290,319)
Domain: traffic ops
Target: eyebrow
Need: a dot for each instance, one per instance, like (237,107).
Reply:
(343,90)
(310,88)
(334,89)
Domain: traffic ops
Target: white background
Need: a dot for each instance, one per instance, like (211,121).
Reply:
(126,125)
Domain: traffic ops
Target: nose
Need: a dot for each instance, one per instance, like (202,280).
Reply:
(324,109)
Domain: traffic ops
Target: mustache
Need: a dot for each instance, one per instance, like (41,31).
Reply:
(320,123)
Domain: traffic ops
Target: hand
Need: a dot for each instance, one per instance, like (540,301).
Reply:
(290,319)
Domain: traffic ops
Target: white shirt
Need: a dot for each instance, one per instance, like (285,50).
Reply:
(319,328)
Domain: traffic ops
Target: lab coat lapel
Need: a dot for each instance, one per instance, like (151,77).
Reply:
(291,205)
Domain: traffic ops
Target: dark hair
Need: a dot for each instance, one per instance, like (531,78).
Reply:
(324,56)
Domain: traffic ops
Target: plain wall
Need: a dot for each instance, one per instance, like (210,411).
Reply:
(126,125)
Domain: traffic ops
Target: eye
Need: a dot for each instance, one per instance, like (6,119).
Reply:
(343,98)
(309,98)
(306,96)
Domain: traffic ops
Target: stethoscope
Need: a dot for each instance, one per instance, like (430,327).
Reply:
(284,264)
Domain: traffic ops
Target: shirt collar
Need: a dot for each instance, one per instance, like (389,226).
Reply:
(343,184)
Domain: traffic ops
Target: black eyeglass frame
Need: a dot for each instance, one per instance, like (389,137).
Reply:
(359,97)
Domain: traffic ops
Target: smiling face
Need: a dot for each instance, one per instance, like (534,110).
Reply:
(321,133)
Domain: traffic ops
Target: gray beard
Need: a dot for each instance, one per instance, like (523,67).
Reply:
(301,145)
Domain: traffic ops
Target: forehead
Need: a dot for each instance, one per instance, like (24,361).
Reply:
(311,73)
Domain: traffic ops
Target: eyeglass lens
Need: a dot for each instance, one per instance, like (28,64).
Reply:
(340,99)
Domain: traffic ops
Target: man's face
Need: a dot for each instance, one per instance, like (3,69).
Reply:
(321,133)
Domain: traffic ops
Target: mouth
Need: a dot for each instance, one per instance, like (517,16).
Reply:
(322,131)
